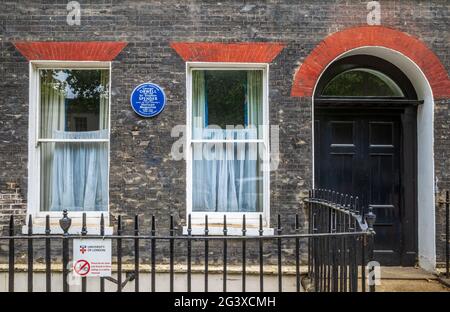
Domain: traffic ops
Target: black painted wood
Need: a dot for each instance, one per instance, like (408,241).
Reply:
(371,154)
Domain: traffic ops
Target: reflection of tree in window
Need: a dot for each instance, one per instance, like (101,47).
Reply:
(83,89)
(86,86)
(226,97)
(362,82)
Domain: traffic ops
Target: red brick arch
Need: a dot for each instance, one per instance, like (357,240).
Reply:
(338,43)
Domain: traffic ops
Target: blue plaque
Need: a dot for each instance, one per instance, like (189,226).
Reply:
(148,99)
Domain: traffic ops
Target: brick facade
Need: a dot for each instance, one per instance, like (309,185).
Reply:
(442,167)
(143,177)
(11,203)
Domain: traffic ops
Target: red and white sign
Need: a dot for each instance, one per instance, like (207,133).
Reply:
(82,267)
(92,257)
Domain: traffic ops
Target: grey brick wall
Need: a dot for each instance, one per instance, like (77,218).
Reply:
(143,177)
(442,168)
(11,203)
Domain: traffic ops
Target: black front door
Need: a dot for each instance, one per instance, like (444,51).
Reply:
(361,153)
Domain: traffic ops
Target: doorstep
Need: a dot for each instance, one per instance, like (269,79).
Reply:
(406,273)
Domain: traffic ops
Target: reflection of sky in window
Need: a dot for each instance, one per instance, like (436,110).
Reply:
(62,76)
(69,92)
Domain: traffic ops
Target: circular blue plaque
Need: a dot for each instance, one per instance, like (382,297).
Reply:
(148,99)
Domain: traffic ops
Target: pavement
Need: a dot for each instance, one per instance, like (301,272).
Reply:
(409,279)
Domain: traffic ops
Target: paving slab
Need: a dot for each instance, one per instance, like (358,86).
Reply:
(409,273)
(409,279)
(390,285)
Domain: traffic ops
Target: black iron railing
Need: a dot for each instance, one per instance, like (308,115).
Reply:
(341,242)
(336,249)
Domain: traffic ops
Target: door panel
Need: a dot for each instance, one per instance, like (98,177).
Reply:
(359,153)
(342,172)
(384,180)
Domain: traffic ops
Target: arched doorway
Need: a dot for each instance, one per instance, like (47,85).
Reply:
(430,80)
(365,144)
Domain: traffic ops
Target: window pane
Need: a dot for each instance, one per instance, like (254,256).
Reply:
(362,82)
(74,176)
(227,177)
(225,93)
(73,100)
(222,98)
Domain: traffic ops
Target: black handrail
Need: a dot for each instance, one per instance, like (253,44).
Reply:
(334,259)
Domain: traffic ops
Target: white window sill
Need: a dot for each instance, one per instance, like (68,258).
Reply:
(231,230)
(74,230)
(92,226)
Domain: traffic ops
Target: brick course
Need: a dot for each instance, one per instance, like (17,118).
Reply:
(70,51)
(227,52)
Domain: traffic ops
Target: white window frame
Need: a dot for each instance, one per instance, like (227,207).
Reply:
(234,219)
(34,143)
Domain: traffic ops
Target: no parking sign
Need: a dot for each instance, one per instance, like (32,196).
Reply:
(92,257)
(82,267)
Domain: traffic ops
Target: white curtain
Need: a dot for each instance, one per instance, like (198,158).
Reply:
(199,105)
(254,100)
(52,116)
(79,172)
(226,176)
(104,100)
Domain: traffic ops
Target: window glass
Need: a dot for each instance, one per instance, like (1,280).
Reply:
(362,82)
(73,100)
(227,177)
(74,157)
(225,93)
(226,98)
(227,105)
